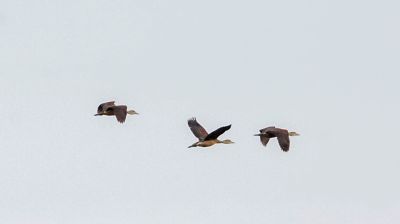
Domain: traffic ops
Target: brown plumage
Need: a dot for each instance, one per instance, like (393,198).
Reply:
(197,129)
(205,139)
(110,109)
(281,134)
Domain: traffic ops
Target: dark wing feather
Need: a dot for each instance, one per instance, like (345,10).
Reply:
(281,134)
(266,135)
(283,138)
(197,129)
(103,107)
(264,140)
(120,113)
(284,142)
(215,134)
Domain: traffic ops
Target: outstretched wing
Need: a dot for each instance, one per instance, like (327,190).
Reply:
(215,134)
(197,129)
(120,113)
(284,141)
(103,107)
(283,137)
(264,140)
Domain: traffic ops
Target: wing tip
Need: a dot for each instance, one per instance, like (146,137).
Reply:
(120,120)
(192,121)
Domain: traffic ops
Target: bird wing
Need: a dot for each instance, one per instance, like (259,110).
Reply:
(266,136)
(281,134)
(283,138)
(120,113)
(264,140)
(215,134)
(103,107)
(197,129)
(284,142)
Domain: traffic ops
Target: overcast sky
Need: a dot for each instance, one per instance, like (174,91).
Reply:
(328,70)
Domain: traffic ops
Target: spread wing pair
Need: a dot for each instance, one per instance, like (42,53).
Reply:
(202,134)
(109,108)
(272,132)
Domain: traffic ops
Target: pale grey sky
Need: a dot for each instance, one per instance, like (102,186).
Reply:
(326,69)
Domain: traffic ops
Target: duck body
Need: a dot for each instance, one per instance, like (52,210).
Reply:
(205,139)
(281,134)
(207,143)
(110,109)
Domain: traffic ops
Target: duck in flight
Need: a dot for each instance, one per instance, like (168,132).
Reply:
(205,139)
(282,135)
(110,109)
